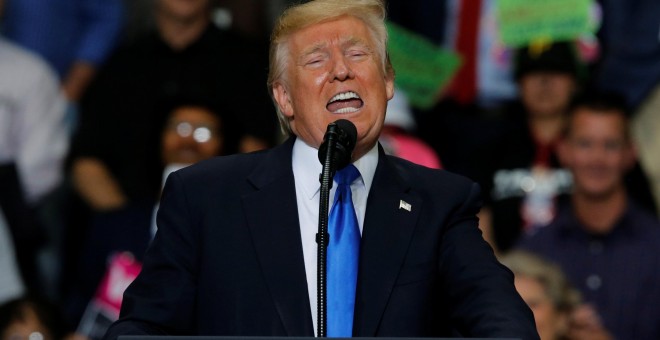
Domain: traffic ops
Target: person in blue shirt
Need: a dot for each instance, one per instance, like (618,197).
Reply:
(604,241)
(74,36)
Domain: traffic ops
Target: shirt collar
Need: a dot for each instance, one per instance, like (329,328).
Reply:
(569,223)
(306,167)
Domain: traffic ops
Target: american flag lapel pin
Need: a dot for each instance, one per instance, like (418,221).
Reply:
(404,205)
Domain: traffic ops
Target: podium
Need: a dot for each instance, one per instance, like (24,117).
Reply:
(208,337)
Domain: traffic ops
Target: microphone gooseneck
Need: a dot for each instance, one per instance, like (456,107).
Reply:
(334,153)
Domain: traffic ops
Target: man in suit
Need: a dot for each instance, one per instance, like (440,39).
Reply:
(235,253)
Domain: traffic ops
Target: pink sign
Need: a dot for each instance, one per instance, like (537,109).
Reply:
(123,269)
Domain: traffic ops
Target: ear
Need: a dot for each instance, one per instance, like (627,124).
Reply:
(389,82)
(630,156)
(281,96)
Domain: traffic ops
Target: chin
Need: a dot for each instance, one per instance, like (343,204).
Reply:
(599,192)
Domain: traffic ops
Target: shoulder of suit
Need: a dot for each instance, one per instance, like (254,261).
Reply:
(225,167)
(415,172)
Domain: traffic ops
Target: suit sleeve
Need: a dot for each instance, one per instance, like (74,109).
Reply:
(481,293)
(162,298)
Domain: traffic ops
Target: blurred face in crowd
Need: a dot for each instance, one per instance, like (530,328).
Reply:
(550,322)
(546,93)
(192,134)
(27,327)
(597,152)
(186,10)
(334,72)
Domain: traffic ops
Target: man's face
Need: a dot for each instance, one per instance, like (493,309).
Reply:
(183,9)
(546,93)
(334,72)
(597,152)
(192,134)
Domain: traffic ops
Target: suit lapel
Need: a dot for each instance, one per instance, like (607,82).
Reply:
(272,217)
(388,228)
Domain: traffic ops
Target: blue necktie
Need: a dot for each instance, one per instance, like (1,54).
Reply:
(343,252)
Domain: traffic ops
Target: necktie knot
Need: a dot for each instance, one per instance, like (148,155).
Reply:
(347,175)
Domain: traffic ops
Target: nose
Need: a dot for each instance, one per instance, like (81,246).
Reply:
(342,70)
(187,141)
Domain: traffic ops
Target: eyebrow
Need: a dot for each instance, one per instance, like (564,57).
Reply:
(353,41)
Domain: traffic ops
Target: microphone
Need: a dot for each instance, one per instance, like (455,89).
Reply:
(339,141)
(334,153)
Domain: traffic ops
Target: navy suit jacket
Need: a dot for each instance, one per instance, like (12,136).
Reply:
(228,260)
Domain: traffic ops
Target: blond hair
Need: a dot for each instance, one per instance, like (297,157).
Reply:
(370,12)
(563,295)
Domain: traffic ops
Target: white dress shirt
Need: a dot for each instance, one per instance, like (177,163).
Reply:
(11,285)
(306,170)
(33,133)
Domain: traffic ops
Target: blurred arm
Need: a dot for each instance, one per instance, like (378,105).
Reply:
(103,22)
(96,185)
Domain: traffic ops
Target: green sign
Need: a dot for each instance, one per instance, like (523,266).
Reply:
(422,68)
(523,22)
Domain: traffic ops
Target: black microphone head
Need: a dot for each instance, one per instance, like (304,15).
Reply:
(344,134)
(350,133)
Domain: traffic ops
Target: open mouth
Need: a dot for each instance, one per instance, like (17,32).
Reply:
(345,102)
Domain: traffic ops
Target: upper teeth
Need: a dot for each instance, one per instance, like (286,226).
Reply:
(345,96)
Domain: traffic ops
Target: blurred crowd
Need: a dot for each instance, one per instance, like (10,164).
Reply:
(101,99)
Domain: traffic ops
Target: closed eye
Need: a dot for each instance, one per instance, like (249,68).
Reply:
(357,53)
(315,60)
